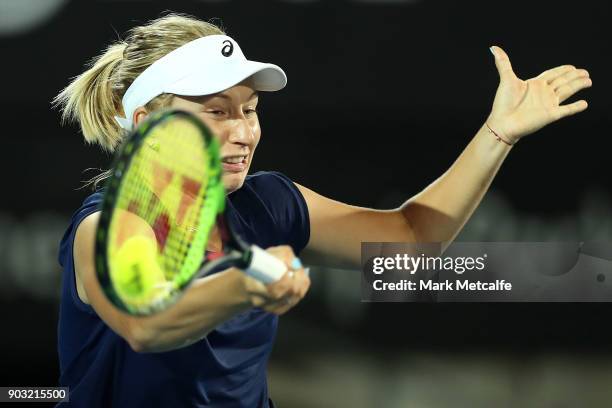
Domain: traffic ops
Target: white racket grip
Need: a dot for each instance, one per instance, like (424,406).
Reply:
(265,267)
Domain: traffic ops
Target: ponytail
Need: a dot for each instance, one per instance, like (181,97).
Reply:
(92,99)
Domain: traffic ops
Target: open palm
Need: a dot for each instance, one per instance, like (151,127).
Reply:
(522,107)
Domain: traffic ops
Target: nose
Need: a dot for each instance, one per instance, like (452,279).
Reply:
(240,132)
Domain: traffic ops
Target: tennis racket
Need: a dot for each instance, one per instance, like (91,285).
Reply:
(163,199)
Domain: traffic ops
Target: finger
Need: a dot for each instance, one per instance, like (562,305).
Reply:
(568,77)
(553,73)
(281,306)
(284,253)
(277,308)
(571,109)
(305,286)
(569,89)
(258,300)
(291,298)
(279,289)
(502,62)
(288,285)
(300,282)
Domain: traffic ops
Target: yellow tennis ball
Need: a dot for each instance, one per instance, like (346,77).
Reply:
(135,272)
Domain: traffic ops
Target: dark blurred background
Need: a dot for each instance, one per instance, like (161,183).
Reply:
(382,97)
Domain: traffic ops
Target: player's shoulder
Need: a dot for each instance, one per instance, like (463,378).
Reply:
(271,191)
(88,225)
(283,201)
(277,192)
(269,180)
(78,235)
(91,204)
(84,220)
(86,217)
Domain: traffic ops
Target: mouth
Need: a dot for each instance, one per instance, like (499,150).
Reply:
(235,163)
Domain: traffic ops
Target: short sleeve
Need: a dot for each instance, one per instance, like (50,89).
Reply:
(286,205)
(65,256)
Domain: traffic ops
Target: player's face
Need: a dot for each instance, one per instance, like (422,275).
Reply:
(232,117)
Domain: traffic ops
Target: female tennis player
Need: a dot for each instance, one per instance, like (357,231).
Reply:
(211,348)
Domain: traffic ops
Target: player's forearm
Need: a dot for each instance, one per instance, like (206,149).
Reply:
(438,213)
(207,303)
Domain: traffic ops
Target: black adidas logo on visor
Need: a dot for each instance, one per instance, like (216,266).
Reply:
(228,48)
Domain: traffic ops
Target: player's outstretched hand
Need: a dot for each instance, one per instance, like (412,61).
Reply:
(522,107)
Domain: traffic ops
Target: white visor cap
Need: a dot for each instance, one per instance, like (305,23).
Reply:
(204,66)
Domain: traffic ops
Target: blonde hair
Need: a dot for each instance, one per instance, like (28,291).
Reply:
(93,99)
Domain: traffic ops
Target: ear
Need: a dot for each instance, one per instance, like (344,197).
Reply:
(139,115)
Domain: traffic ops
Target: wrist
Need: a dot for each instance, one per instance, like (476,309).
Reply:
(498,130)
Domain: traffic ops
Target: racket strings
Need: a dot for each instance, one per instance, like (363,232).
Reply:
(163,197)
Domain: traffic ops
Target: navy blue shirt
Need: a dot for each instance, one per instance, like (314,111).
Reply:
(227,368)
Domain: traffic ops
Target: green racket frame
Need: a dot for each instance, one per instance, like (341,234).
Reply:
(214,205)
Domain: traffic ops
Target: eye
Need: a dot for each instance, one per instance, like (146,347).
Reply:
(215,112)
(250,111)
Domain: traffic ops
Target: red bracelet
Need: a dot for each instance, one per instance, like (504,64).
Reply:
(499,138)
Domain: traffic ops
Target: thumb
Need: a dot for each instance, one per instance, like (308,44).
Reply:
(502,62)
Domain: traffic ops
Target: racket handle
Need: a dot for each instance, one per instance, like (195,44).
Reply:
(264,266)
